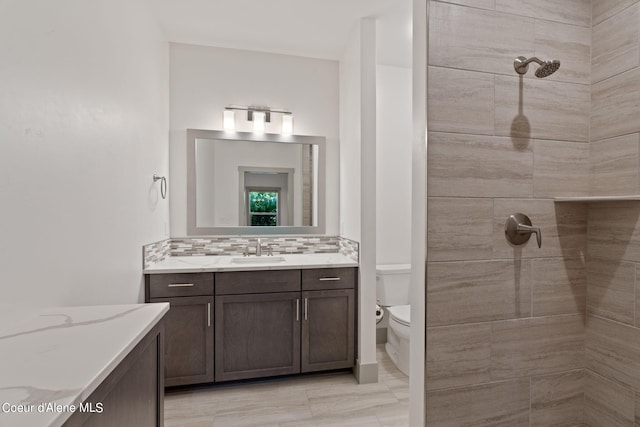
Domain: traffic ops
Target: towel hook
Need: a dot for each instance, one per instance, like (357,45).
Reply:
(163,185)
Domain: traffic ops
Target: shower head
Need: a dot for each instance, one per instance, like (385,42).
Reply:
(521,65)
(547,68)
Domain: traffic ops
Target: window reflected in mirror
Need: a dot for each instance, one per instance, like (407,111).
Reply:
(263,207)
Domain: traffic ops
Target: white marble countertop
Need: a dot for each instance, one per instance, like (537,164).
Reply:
(61,355)
(200,264)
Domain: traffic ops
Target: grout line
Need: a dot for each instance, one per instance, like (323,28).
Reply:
(502,12)
(499,381)
(513,319)
(450,132)
(527,78)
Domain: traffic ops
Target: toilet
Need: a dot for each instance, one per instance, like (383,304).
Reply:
(392,286)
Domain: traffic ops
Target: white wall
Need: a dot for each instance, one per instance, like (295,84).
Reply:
(393,173)
(358,178)
(84,121)
(204,80)
(350,118)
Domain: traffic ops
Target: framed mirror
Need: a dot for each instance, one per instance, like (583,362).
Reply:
(247,183)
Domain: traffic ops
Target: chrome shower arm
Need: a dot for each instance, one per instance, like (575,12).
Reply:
(533,59)
(521,64)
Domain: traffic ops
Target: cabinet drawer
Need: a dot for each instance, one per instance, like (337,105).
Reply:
(180,285)
(328,278)
(257,282)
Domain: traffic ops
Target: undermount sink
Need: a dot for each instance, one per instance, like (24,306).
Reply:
(258,260)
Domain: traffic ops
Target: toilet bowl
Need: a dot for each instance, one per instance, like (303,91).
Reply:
(392,284)
(397,345)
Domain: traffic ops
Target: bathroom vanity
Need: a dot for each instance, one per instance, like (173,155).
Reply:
(233,320)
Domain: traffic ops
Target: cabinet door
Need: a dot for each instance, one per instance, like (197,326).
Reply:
(257,335)
(188,345)
(328,340)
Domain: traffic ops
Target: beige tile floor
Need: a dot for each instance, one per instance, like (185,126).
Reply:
(331,399)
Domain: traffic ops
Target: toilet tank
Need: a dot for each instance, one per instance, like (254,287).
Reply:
(392,284)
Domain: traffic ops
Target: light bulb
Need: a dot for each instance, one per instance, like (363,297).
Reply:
(258,121)
(287,124)
(229,121)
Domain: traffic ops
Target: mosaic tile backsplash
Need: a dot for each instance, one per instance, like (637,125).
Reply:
(155,252)
(349,248)
(234,245)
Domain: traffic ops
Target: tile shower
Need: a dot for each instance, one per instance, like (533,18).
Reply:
(527,336)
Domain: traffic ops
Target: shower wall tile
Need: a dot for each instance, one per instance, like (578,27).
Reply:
(504,404)
(480,4)
(575,12)
(563,227)
(637,411)
(615,105)
(477,291)
(476,39)
(505,325)
(541,109)
(460,101)
(458,355)
(616,44)
(614,231)
(615,164)
(460,229)
(611,289)
(603,9)
(479,166)
(559,286)
(612,350)
(560,168)
(478,353)
(607,403)
(535,346)
(558,399)
(569,44)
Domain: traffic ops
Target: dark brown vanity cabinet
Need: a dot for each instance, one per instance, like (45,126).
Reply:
(328,319)
(284,322)
(257,324)
(189,344)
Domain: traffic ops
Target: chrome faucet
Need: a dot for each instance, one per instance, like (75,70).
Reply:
(259,248)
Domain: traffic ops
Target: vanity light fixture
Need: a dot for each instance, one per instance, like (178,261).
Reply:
(259,115)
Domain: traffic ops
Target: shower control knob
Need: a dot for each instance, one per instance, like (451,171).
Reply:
(518,229)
